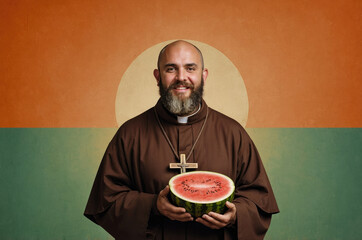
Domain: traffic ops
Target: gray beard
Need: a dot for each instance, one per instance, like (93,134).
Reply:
(181,107)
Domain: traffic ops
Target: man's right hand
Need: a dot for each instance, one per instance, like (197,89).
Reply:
(167,209)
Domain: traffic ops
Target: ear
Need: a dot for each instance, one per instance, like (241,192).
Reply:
(156,74)
(205,73)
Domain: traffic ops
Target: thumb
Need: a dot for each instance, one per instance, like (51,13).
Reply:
(229,204)
(165,191)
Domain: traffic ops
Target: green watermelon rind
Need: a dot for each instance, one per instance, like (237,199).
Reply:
(199,209)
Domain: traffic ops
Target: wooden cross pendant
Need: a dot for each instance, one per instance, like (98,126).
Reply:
(183,165)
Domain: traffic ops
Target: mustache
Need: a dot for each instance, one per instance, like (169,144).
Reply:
(181,84)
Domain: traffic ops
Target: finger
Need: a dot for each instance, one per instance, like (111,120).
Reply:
(166,206)
(172,208)
(184,217)
(176,210)
(216,217)
(177,213)
(207,223)
(214,221)
(230,205)
(164,192)
(225,218)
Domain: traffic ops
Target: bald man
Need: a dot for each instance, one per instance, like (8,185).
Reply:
(129,198)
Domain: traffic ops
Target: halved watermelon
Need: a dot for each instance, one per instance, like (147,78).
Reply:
(200,192)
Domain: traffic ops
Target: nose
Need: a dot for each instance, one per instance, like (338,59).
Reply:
(181,75)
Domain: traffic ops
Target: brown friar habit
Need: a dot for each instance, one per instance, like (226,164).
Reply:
(135,168)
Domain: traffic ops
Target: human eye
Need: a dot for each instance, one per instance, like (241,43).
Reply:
(191,67)
(170,69)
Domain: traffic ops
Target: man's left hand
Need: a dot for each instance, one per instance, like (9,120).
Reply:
(216,221)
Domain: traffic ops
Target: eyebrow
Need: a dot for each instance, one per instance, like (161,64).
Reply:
(175,65)
(170,65)
(191,65)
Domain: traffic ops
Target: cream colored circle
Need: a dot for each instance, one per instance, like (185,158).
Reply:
(224,87)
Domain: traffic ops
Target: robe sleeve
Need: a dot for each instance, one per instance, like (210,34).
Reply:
(254,197)
(114,203)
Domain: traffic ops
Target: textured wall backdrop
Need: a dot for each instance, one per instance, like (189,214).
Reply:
(61,63)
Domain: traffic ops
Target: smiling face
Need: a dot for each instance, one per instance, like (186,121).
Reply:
(180,77)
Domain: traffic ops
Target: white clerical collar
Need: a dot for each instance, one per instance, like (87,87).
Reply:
(184,119)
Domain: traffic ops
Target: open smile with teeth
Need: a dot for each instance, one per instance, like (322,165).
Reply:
(181,88)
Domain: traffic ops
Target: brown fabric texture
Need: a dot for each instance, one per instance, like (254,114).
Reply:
(135,168)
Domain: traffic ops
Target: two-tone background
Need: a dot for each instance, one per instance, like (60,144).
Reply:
(61,63)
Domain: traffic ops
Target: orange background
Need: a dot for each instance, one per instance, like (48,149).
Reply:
(61,61)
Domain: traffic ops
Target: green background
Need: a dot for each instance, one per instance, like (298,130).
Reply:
(46,175)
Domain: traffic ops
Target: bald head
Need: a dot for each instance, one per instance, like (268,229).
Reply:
(179,44)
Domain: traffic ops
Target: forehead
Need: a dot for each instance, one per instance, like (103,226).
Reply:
(182,53)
